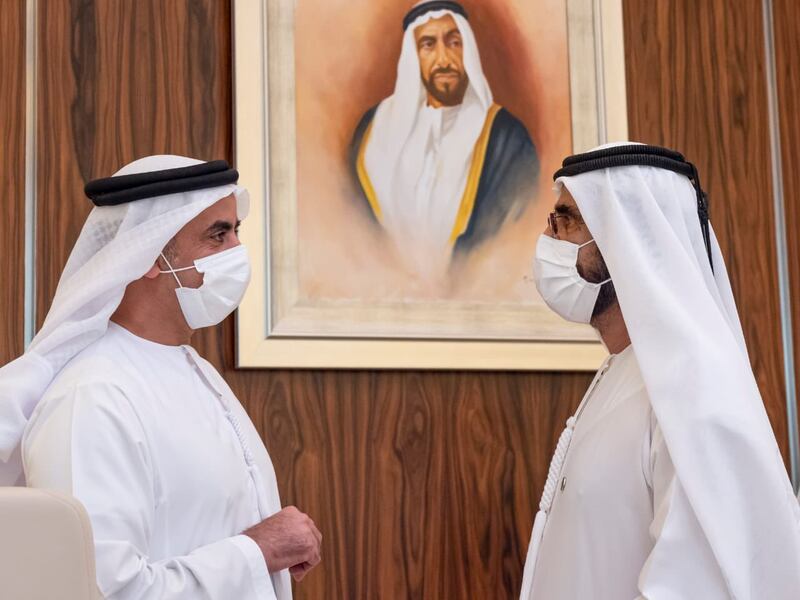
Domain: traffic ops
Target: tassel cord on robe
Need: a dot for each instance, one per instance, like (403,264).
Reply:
(551,485)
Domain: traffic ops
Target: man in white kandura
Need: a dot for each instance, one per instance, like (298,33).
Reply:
(441,166)
(111,404)
(667,482)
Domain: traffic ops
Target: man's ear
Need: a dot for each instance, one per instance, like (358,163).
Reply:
(153,272)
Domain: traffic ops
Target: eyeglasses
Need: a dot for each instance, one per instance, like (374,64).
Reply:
(552,222)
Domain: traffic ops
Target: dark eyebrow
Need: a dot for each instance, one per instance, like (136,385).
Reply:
(452,32)
(570,212)
(221,227)
(564,209)
(426,38)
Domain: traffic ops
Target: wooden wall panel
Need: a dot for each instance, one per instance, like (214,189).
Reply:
(696,82)
(787,59)
(424,484)
(12,184)
(118,81)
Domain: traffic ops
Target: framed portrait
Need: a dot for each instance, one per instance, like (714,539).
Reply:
(399,158)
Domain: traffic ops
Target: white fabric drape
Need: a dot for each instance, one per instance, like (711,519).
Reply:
(614,521)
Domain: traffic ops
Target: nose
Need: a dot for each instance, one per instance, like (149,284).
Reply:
(232,241)
(441,58)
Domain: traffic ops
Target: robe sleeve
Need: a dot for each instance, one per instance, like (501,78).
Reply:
(91,444)
(681,563)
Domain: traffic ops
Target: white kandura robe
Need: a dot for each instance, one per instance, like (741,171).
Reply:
(168,465)
(620,526)
(421,212)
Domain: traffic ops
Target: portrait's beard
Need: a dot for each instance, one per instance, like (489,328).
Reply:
(595,271)
(447,93)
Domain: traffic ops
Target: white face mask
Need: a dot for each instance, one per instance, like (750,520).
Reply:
(558,281)
(225,278)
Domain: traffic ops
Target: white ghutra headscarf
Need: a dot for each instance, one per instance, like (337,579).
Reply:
(118,244)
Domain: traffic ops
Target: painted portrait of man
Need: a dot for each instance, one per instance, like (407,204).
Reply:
(403,163)
(440,166)
(416,139)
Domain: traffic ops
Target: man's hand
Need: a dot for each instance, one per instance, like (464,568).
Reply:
(289,540)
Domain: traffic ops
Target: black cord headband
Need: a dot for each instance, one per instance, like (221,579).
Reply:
(422,9)
(646,156)
(111,191)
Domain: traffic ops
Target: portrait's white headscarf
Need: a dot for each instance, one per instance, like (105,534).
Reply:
(395,119)
(118,244)
(688,342)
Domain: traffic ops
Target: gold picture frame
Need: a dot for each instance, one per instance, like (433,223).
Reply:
(274,329)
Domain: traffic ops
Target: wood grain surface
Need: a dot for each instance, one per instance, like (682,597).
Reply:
(696,83)
(423,484)
(12,183)
(119,80)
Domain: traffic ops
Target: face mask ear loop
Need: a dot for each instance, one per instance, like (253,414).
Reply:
(591,241)
(171,270)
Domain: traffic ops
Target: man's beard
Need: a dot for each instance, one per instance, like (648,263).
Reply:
(596,272)
(448,95)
